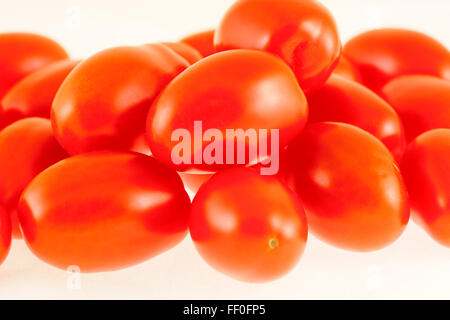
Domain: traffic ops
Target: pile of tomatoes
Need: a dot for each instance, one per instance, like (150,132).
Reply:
(87,176)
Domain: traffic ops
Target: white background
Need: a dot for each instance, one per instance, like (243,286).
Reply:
(414,267)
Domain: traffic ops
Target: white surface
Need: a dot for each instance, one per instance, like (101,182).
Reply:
(414,267)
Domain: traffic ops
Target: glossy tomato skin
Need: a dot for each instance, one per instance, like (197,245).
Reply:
(104,211)
(5,234)
(423,103)
(352,190)
(384,54)
(342,100)
(103,102)
(426,169)
(33,95)
(26,148)
(237,89)
(346,70)
(250,227)
(302,33)
(23,53)
(186,51)
(202,41)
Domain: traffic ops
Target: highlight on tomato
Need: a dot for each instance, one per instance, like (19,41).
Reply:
(425,167)
(103,211)
(23,53)
(33,95)
(353,193)
(342,100)
(184,50)
(422,102)
(103,102)
(26,148)
(247,226)
(302,33)
(384,54)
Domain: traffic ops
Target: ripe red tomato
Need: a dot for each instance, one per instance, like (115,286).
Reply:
(353,192)
(347,70)
(237,89)
(5,235)
(103,211)
(33,95)
(383,54)
(186,51)
(423,103)
(26,148)
(426,168)
(342,100)
(250,227)
(202,41)
(103,102)
(23,53)
(303,33)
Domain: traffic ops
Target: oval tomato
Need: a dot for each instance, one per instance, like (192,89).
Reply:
(33,95)
(26,148)
(184,50)
(383,54)
(353,192)
(250,227)
(23,53)
(303,33)
(426,168)
(103,102)
(342,100)
(346,70)
(5,235)
(202,41)
(237,89)
(423,103)
(103,211)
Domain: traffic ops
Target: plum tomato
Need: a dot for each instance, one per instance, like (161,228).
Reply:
(303,33)
(426,169)
(353,193)
(103,102)
(346,70)
(236,89)
(23,53)
(422,102)
(342,100)
(33,95)
(202,41)
(5,234)
(384,54)
(250,227)
(103,211)
(26,148)
(186,51)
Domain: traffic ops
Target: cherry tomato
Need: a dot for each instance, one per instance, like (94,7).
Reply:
(423,103)
(353,192)
(26,148)
(103,102)
(23,53)
(383,54)
(202,41)
(250,227)
(342,100)
(426,168)
(237,89)
(104,211)
(5,235)
(33,95)
(303,33)
(186,51)
(347,70)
